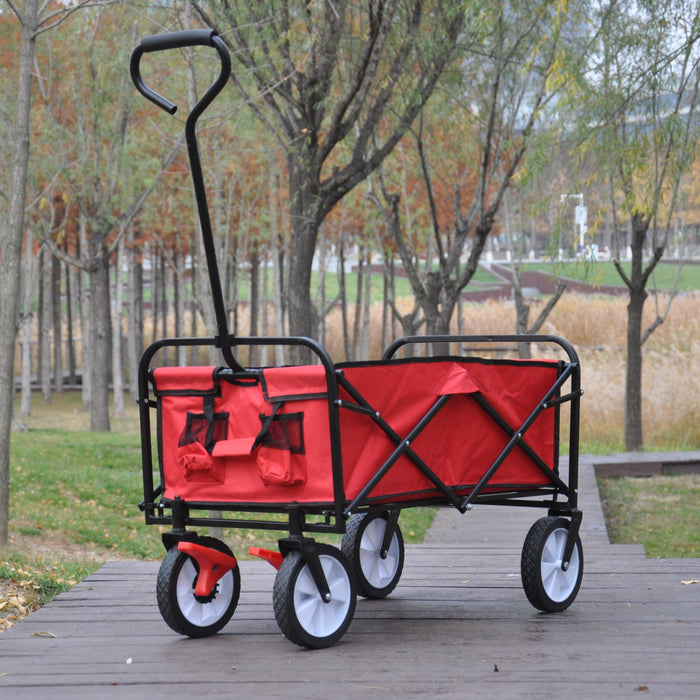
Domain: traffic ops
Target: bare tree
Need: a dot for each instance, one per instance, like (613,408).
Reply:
(496,100)
(643,100)
(338,84)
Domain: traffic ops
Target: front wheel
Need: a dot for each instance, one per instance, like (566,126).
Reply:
(547,586)
(302,615)
(183,611)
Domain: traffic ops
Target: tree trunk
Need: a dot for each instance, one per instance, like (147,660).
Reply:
(635,309)
(633,382)
(278,262)
(86,322)
(134,316)
(343,298)
(56,323)
(163,295)
(254,301)
(117,366)
(29,289)
(304,231)
(179,299)
(522,312)
(70,315)
(101,349)
(45,315)
(11,252)
(358,304)
(194,310)
(367,309)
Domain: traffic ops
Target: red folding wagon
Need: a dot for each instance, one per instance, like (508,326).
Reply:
(343,448)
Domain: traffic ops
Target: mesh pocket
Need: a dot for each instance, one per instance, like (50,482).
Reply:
(198,429)
(285,431)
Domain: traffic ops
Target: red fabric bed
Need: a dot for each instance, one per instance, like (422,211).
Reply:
(267,441)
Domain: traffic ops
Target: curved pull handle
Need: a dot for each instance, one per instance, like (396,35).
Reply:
(177,40)
(165,42)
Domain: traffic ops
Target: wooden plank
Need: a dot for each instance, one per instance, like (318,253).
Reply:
(429,637)
(457,625)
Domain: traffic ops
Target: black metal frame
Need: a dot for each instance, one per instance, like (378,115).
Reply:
(335,515)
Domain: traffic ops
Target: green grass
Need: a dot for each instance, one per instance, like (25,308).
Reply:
(657,512)
(332,286)
(604,273)
(40,578)
(74,502)
(82,487)
(74,499)
(85,488)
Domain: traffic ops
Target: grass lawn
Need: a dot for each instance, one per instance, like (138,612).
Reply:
(656,511)
(604,273)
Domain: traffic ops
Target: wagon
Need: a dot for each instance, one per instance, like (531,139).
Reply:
(342,448)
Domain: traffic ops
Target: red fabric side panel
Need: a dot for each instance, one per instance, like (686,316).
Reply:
(461,442)
(193,474)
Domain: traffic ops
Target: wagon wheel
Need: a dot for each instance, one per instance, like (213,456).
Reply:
(547,586)
(183,611)
(375,575)
(302,615)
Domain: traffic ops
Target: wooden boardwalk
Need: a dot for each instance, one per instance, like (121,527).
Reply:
(458,624)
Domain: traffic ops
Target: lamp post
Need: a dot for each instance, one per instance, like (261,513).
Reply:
(580,215)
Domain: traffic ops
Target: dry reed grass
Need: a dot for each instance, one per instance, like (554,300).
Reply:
(596,326)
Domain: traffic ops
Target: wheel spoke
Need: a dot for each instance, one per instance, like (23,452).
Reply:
(317,617)
(558,584)
(305,583)
(373,535)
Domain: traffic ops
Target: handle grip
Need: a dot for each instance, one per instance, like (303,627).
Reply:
(177,40)
(165,42)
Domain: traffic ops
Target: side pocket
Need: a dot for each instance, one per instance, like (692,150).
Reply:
(200,435)
(280,454)
(198,466)
(280,468)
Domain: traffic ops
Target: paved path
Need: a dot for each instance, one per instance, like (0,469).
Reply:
(457,626)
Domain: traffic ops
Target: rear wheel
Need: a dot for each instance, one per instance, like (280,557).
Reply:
(183,611)
(547,586)
(376,572)
(302,615)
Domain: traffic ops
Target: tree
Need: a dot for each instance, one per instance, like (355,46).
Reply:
(469,151)
(31,23)
(93,172)
(338,84)
(523,324)
(643,100)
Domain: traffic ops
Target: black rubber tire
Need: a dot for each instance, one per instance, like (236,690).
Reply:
(546,585)
(301,614)
(177,578)
(375,577)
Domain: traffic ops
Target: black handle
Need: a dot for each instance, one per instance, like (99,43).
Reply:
(165,42)
(178,40)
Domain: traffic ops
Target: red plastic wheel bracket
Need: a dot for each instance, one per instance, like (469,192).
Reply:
(213,564)
(274,558)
